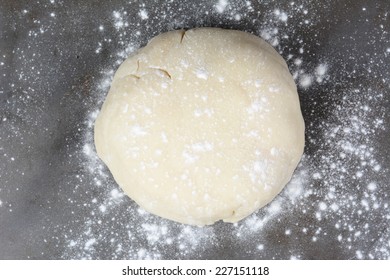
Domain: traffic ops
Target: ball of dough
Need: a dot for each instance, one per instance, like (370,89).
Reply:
(202,125)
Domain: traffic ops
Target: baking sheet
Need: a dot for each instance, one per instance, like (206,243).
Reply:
(58,200)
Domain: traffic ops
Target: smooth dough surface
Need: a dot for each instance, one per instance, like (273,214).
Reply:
(202,125)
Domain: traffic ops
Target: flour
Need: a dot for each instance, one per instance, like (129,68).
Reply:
(305,81)
(143,14)
(119,22)
(280,15)
(221,5)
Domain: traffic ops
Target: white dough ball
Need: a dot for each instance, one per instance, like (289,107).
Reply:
(202,125)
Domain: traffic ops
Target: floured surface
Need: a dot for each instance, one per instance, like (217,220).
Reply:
(202,125)
(58,201)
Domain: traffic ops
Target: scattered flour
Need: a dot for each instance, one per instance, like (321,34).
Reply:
(119,22)
(305,81)
(280,15)
(221,6)
(143,14)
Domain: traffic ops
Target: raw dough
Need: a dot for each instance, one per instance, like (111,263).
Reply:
(202,125)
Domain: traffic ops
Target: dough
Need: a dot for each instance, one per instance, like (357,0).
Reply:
(202,125)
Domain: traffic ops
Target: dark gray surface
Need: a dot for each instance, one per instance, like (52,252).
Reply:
(49,84)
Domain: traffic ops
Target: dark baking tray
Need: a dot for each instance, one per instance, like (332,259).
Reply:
(57,200)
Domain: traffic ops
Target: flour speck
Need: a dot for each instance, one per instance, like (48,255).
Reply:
(221,5)
(143,14)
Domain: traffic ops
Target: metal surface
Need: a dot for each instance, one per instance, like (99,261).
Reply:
(53,58)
